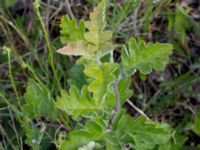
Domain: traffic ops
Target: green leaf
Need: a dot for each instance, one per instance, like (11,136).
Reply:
(97,17)
(180,24)
(140,134)
(94,97)
(101,76)
(89,146)
(77,104)
(88,44)
(7,3)
(94,131)
(184,23)
(197,122)
(39,102)
(197,125)
(77,77)
(145,57)
(34,136)
(71,31)
(96,36)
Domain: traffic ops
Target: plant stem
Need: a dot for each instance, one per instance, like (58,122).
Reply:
(20,33)
(117,100)
(12,80)
(51,61)
(137,109)
(14,109)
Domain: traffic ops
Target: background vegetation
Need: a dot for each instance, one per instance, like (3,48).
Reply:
(29,37)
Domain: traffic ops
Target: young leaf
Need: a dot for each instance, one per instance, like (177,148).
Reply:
(145,57)
(96,36)
(38,102)
(97,17)
(77,104)
(100,79)
(96,24)
(87,44)
(71,31)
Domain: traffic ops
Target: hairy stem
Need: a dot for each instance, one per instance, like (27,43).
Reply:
(117,100)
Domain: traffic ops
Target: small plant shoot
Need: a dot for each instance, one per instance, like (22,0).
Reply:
(101,100)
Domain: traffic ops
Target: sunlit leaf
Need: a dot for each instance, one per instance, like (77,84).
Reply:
(77,104)
(96,34)
(101,76)
(71,31)
(95,41)
(146,57)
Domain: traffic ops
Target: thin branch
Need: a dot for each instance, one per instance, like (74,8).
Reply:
(14,126)
(68,7)
(137,109)
(117,100)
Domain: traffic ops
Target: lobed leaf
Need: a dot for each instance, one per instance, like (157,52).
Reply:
(39,102)
(77,104)
(94,131)
(145,57)
(100,79)
(76,49)
(88,44)
(71,31)
(96,36)
(139,134)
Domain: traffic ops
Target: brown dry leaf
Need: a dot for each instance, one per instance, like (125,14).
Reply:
(75,49)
